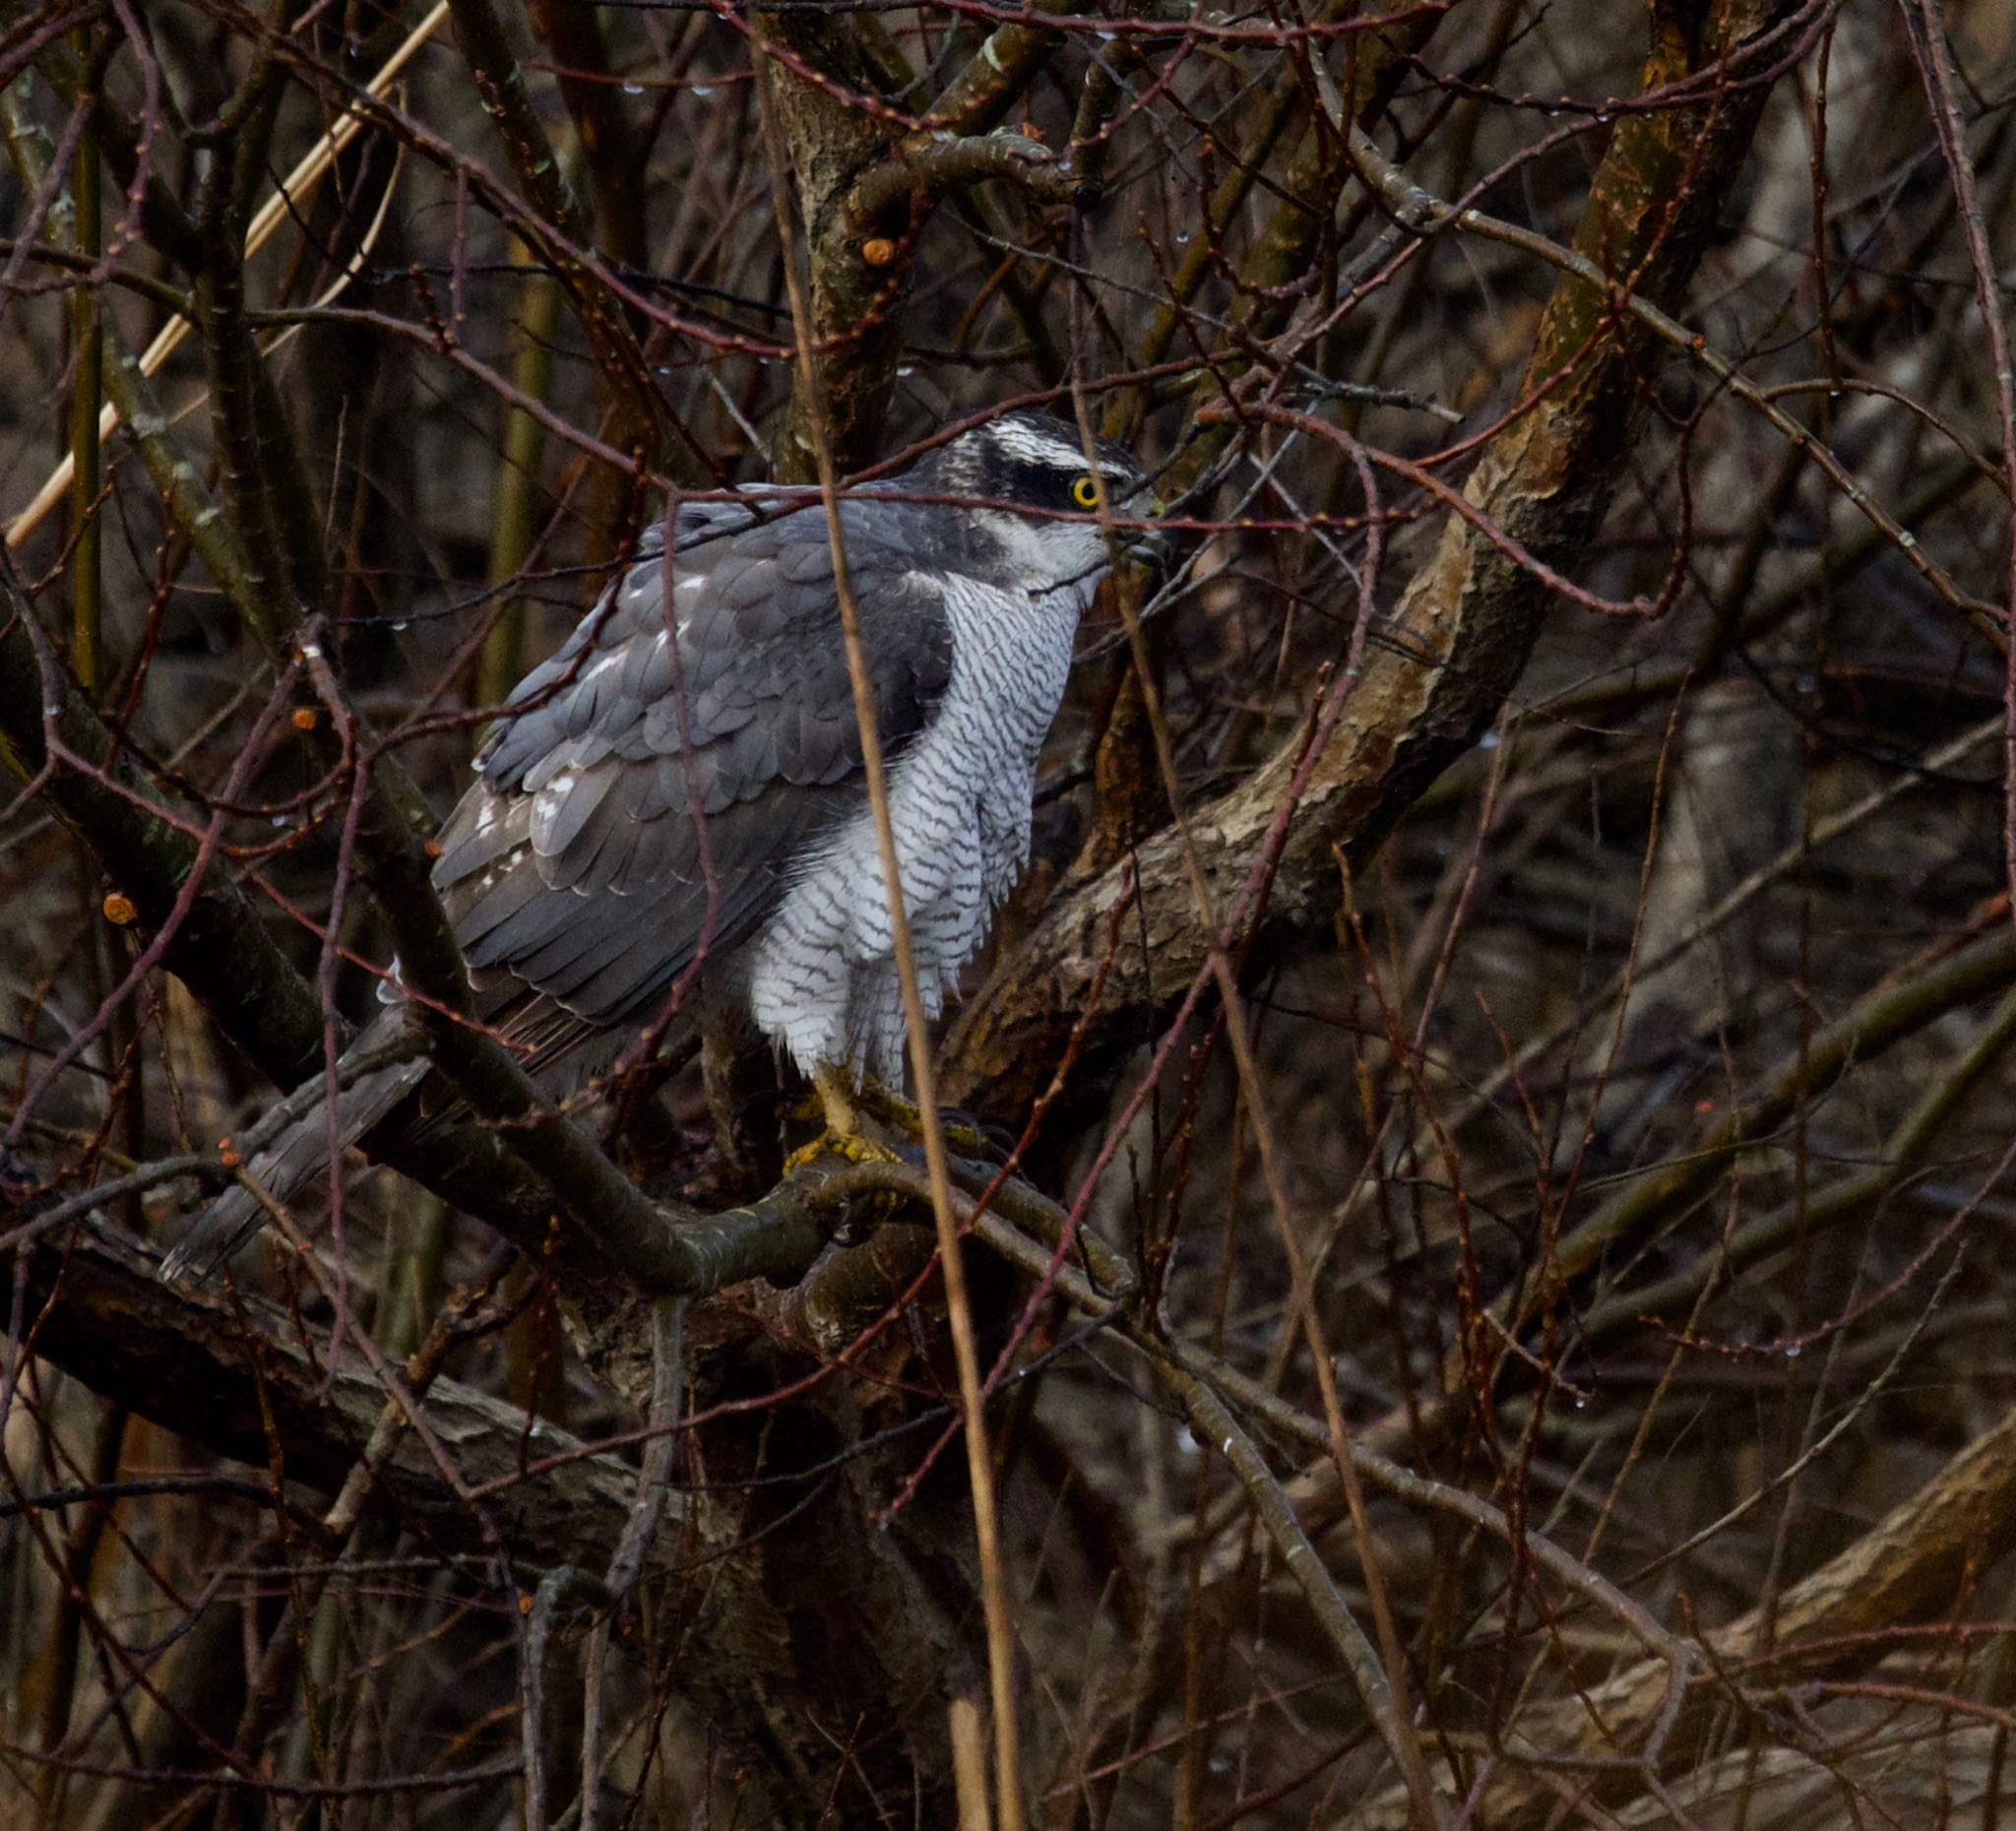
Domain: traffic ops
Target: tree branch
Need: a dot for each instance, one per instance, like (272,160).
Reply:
(922,172)
(641,417)
(221,951)
(1458,638)
(1917,1561)
(216,1370)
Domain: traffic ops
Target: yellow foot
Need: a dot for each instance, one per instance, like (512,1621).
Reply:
(863,1119)
(960,1134)
(845,1132)
(855,1146)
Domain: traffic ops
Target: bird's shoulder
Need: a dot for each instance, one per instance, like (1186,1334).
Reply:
(738,706)
(755,633)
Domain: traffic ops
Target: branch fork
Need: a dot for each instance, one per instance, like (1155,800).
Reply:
(926,167)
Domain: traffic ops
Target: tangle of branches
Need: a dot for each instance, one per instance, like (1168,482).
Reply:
(1478,1154)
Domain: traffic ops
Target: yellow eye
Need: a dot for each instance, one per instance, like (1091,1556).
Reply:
(1084,493)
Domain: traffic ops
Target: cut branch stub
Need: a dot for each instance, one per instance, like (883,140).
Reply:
(864,190)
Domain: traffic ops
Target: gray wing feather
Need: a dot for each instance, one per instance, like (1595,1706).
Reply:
(574,866)
(573,869)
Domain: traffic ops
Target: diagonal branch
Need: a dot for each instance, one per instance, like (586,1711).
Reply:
(224,954)
(1919,1559)
(1461,632)
(641,418)
(231,1375)
(924,171)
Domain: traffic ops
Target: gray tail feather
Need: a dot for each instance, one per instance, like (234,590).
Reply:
(299,1154)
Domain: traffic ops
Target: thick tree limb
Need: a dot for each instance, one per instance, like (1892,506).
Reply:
(986,89)
(1460,635)
(1916,1561)
(196,1363)
(857,283)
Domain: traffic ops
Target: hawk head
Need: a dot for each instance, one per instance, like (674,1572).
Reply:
(1034,502)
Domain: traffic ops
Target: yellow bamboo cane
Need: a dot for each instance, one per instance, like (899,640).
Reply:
(296,185)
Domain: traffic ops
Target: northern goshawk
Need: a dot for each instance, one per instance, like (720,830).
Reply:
(575,876)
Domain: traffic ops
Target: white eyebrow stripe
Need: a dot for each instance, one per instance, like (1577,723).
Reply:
(1033,447)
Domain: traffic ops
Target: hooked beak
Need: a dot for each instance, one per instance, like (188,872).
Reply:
(1147,546)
